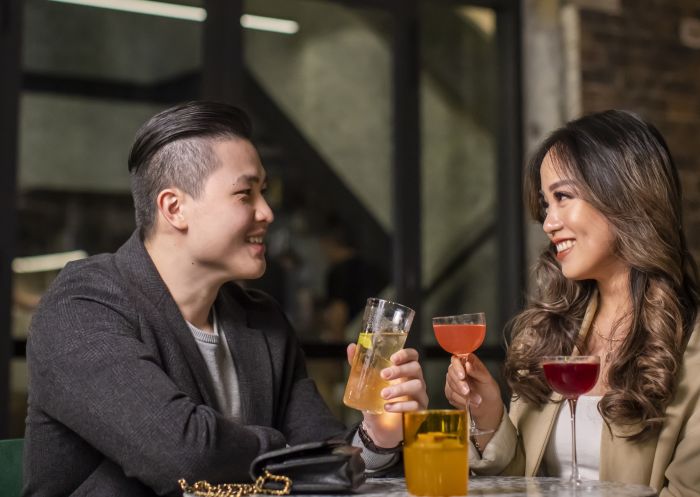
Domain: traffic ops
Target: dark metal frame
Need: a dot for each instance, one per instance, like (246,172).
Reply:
(406,146)
(510,228)
(222,75)
(10,50)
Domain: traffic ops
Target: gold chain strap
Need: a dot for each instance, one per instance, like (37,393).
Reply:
(206,489)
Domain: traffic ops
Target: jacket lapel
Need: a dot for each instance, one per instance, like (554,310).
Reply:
(150,293)
(251,357)
(535,437)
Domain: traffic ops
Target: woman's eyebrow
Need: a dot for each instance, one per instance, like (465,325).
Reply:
(560,183)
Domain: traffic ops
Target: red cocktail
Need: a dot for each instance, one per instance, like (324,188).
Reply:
(571,379)
(572,376)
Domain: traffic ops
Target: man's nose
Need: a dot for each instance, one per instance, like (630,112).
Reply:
(263,211)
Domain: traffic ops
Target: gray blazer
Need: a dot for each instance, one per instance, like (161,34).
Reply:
(120,399)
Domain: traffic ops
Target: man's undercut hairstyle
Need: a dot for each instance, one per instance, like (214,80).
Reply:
(174,149)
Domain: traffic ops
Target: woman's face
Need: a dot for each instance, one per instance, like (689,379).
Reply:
(582,236)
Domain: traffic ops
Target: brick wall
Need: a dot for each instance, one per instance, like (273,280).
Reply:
(636,59)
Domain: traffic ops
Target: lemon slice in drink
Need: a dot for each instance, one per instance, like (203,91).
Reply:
(365,340)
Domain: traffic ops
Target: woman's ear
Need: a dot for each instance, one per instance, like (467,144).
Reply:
(171,208)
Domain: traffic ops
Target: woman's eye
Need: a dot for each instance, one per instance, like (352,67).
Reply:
(561,196)
(243,193)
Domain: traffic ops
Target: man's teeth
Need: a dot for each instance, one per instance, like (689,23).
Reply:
(255,239)
(566,244)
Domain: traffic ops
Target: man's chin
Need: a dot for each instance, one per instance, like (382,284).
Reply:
(256,274)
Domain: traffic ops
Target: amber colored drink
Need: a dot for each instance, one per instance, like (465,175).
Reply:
(363,390)
(571,379)
(460,339)
(435,453)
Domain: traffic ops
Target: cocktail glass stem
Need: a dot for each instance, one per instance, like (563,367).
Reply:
(473,430)
(575,477)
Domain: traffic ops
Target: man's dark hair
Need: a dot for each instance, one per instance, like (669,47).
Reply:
(173,149)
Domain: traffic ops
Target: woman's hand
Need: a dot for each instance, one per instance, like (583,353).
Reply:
(406,393)
(468,380)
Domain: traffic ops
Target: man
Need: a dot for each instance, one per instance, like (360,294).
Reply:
(150,364)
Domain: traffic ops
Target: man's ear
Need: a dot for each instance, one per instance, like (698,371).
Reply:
(171,207)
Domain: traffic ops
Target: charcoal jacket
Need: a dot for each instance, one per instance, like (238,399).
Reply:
(120,399)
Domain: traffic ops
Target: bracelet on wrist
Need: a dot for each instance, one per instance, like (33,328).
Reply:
(369,443)
(476,446)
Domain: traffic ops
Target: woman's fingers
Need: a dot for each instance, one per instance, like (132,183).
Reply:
(456,368)
(455,399)
(476,369)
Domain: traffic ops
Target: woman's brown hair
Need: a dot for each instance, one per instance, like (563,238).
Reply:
(622,166)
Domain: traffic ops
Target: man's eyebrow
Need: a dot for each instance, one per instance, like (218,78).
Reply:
(250,178)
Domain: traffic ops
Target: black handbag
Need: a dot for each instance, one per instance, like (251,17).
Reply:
(330,466)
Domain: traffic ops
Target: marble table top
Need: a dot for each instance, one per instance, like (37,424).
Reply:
(507,486)
(513,486)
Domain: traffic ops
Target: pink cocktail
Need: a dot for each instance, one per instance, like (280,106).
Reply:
(461,335)
(460,339)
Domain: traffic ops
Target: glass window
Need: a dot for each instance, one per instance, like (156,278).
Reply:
(458,167)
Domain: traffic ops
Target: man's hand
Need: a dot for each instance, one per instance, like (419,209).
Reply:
(406,393)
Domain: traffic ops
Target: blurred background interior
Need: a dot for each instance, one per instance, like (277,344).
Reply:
(393,131)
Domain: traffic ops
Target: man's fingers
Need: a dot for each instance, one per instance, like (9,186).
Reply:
(404,406)
(350,351)
(407,370)
(412,388)
(404,355)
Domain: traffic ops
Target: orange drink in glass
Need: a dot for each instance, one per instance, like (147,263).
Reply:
(435,452)
(384,330)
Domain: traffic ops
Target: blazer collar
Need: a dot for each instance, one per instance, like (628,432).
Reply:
(149,289)
(250,351)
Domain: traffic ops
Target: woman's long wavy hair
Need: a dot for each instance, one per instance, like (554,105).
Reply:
(622,166)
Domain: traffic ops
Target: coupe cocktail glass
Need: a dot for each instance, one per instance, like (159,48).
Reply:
(461,335)
(572,376)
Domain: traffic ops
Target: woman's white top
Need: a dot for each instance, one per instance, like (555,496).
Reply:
(589,424)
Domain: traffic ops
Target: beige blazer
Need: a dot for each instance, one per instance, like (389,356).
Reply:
(670,463)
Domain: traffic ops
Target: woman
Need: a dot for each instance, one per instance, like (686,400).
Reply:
(617,281)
